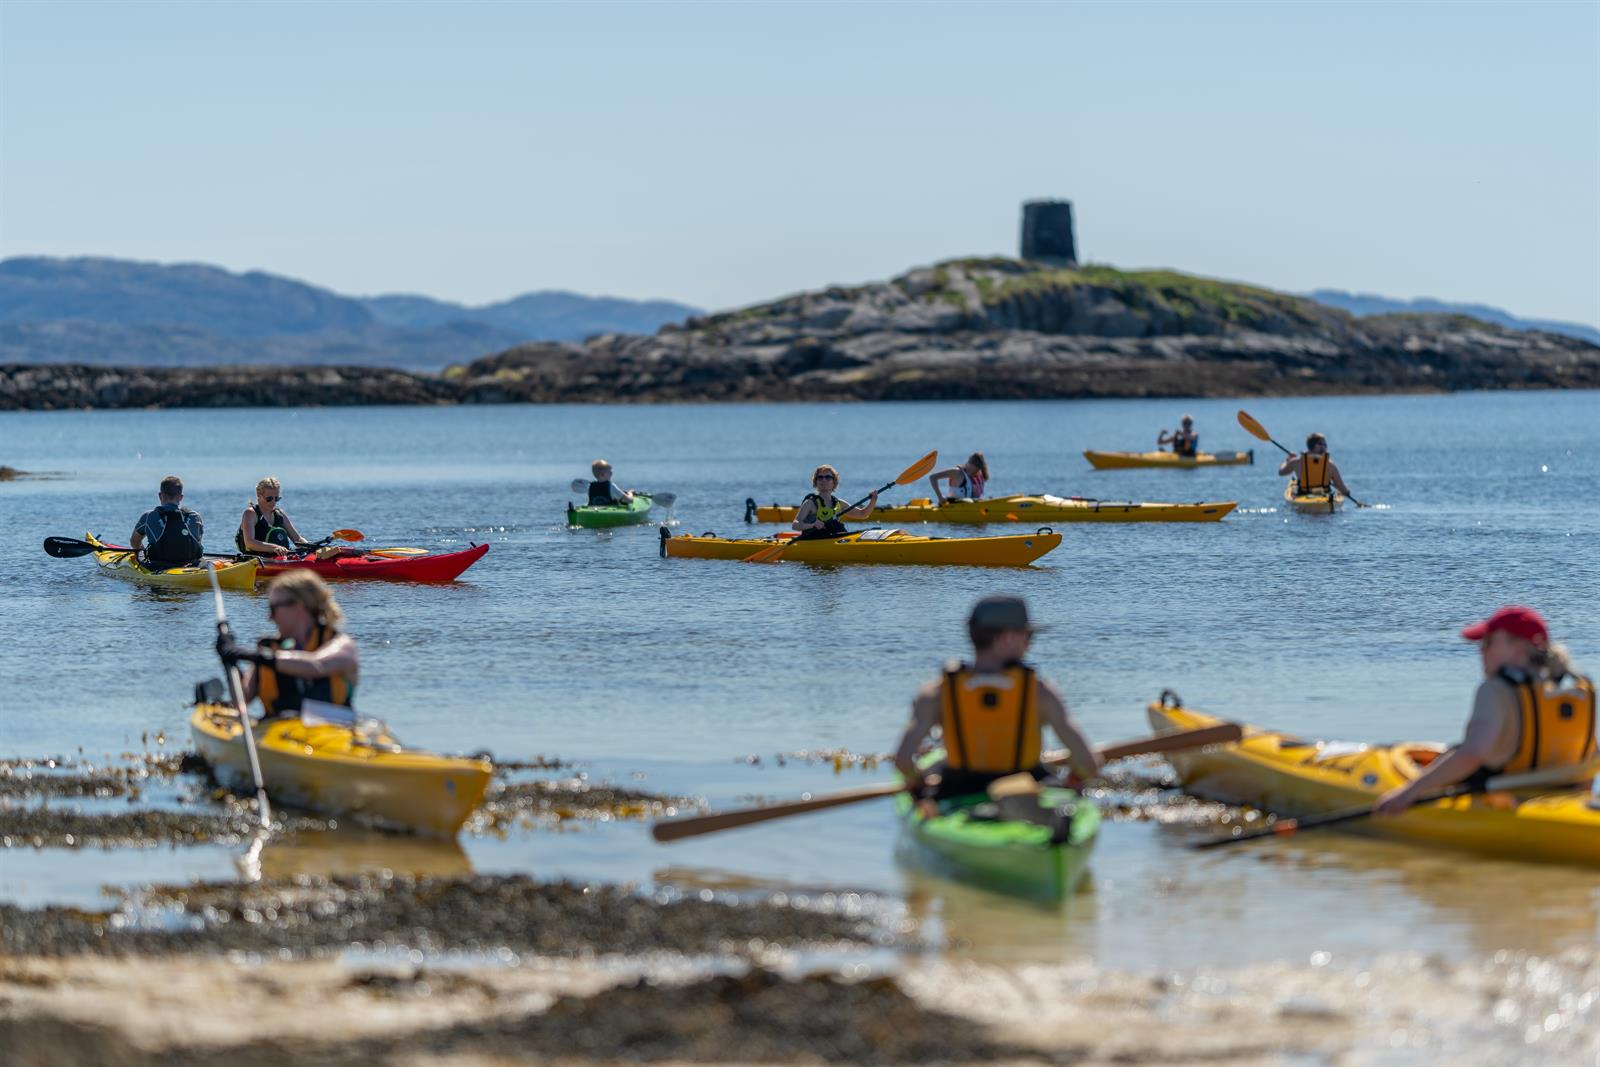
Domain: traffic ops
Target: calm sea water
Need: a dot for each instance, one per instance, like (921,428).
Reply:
(674,674)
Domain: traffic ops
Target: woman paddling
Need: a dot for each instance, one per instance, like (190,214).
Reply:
(1314,469)
(264,528)
(311,658)
(1523,719)
(820,513)
(966,481)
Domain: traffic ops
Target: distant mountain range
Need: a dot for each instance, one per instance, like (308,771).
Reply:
(114,311)
(1370,304)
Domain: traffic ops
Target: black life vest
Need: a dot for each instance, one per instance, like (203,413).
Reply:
(1185,444)
(828,515)
(176,547)
(282,695)
(600,494)
(266,533)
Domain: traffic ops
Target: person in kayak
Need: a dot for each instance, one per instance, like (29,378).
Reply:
(169,535)
(311,658)
(1314,470)
(992,713)
(1523,719)
(820,514)
(1184,440)
(966,481)
(601,491)
(264,528)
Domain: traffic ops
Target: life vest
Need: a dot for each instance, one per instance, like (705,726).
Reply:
(1313,471)
(281,694)
(827,513)
(266,533)
(1185,444)
(991,721)
(1557,726)
(971,484)
(600,494)
(176,547)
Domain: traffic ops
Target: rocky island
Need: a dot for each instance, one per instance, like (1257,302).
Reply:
(993,328)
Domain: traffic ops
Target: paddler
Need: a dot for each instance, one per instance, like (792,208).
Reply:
(820,514)
(601,492)
(169,534)
(264,528)
(311,658)
(992,713)
(1184,440)
(966,481)
(1314,469)
(1523,718)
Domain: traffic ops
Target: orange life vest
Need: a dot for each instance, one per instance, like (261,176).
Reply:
(991,720)
(282,695)
(1313,471)
(1557,725)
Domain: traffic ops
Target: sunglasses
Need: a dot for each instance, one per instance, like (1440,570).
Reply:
(272,499)
(826,478)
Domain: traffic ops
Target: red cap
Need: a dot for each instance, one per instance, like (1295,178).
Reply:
(1515,620)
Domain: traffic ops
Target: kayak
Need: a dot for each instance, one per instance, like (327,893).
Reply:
(1320,502)
(1039,507)
(1009,855)
(601,516)
(328,768)
(440,567)
(120,563)
(871,546)
(1288,776)
(1108,461)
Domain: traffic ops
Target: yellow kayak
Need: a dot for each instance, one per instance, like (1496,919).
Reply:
(231,574)
(1111,461)
(1287,776)
(871,546)
(1037,508)
(332,769)
(1320,502)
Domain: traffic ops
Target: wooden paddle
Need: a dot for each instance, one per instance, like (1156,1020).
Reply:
(1258,431)
(1550,776)
(915,472)
(695,825)
(236,692)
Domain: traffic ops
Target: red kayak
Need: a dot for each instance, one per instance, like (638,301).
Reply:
(444,567)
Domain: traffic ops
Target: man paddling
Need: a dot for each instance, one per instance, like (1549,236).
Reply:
(170,535)
(601,491)
(992,712)
(1184,441)
(1314,469)
(1523,719)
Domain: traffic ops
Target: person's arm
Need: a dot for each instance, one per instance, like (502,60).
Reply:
(948,476)
(136,540)
(1084,761)
(1336,478)
(863,509)
(247,529)
(1460,763)
(924,717)
(806,517)
(289,528)
(1291,464)
(621,495)
(1166,438)
(338,656)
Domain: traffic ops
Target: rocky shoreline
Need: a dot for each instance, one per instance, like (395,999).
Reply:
(967,329)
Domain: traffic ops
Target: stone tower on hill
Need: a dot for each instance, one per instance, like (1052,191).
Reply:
(1047,233)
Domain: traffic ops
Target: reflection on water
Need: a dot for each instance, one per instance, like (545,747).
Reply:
(357,850)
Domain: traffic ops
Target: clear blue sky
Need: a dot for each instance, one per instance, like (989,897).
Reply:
(722,154)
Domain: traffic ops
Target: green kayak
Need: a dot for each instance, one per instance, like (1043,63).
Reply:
(599,516)
(965,841)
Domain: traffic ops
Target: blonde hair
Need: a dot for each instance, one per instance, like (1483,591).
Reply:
(1553,661)
(826,468)
(269,482)
(310,592)
(597,465)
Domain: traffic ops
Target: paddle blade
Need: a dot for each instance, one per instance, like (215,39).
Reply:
(919,469)
(1252,427)
(666,500)
(66,547)
(348,535)
(770,554)
(579,485)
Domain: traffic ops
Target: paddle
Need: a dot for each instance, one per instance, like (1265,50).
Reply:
(666,500)
(236,691)
(695,825)
(72,548)
(913,473)
(1258,431)
(1499,784)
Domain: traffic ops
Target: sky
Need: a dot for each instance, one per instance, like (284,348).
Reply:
(724,154)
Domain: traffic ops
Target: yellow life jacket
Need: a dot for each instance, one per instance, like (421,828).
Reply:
(1313,471)
(991,721)
(282,695)
(824,512)
(1557,725)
